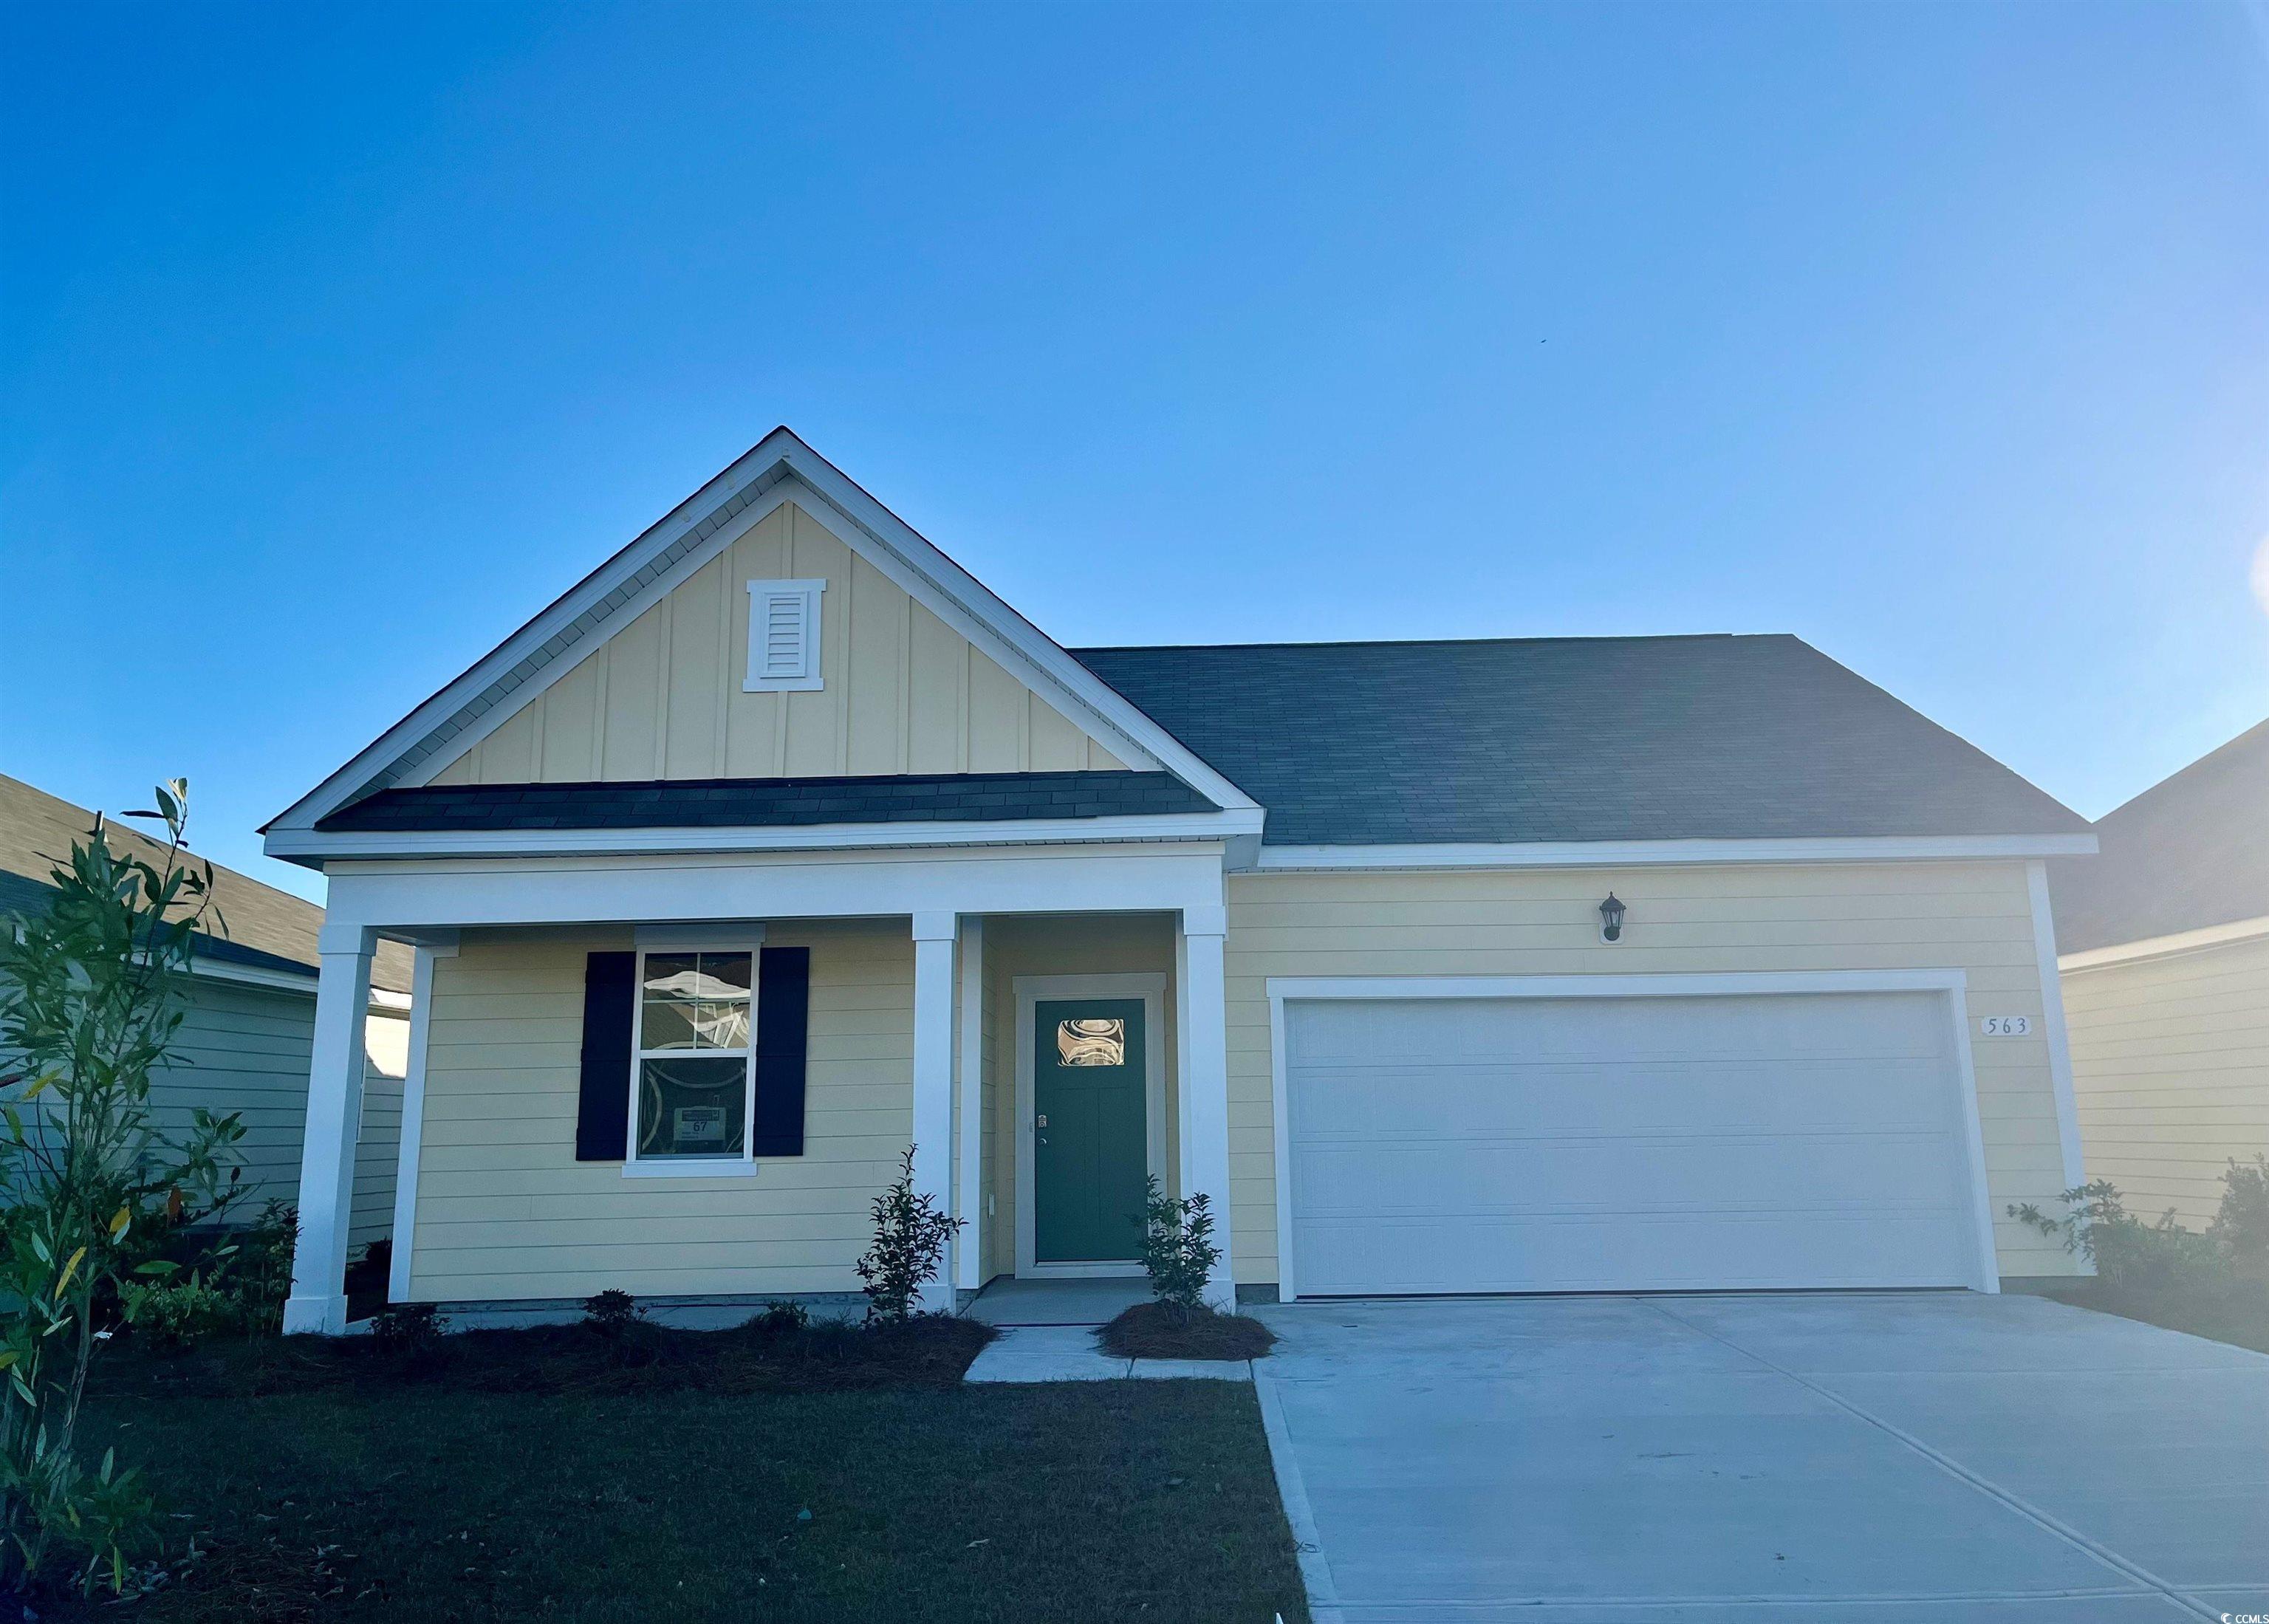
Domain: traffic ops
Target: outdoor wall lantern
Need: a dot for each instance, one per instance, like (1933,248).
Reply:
(1611,920)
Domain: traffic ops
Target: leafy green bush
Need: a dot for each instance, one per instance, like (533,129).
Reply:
(180,1311)
(779,1319)
(612,1313)
(90,1005)
(1177,1250)
(2241,1224)
(909,1249)
(412,1331)
(2127,1252)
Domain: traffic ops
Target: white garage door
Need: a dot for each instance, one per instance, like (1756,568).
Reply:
(1620,1144)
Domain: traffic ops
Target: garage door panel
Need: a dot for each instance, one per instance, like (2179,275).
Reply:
(1663,1252)
(1828,1175)
(1626,1143)
(1408,1099)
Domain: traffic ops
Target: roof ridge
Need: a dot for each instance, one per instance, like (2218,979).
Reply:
(1605,636)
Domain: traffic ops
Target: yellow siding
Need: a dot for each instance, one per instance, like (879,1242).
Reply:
(662,698)
(503,1209)
(2171,1071)
(1975,918)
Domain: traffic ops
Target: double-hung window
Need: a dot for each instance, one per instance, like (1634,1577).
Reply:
(693,1064)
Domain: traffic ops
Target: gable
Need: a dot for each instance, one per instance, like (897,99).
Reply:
(900,691)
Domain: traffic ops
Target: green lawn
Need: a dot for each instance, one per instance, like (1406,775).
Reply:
(434,1499)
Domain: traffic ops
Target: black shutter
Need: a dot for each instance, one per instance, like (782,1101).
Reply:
(783,1017)
(602,1108)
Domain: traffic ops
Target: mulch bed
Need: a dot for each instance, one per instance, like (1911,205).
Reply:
(761,1356)
(1154,1331)
(2237,1313)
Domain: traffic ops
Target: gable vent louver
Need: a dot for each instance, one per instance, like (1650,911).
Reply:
(784,627)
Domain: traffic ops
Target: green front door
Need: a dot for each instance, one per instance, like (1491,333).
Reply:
(1089,1135)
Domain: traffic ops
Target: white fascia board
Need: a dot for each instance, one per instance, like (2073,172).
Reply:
(894,547)
(2164,946)
(1658,853)
(322,847)
(393,897)
(254,975)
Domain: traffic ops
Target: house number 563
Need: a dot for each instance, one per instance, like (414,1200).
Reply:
(2007,1026)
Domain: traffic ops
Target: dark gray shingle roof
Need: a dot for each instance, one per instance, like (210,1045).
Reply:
(759,803)
(1570,738)
(2189,852)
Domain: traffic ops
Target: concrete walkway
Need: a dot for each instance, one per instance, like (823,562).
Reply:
(1069,1353)
(1919,1458)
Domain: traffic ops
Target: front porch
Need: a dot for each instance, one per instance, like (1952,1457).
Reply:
(1043,1062)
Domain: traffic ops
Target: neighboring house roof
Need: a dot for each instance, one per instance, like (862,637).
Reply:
(2190,852)
(1574,739)
(260,927)
(758,803)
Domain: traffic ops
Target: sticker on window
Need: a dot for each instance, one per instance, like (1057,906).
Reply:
(1090,1043)
(697,1127)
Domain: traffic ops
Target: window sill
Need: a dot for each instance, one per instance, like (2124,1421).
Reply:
(690,1169)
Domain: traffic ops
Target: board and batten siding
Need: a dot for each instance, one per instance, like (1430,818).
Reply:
(2170,1073)
(246,1050)
(505,1213)
(1975,917)
(661,697)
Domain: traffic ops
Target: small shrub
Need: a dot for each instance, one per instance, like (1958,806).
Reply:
(2241,1226)
(909,1249)
(408,1331)
(612,1313)
(1177,1250)
(779,1319)
(2127,1252)
(260,1275)
(179,1311)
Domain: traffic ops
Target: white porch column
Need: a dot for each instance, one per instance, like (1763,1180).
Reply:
(1201,1009)
(969,1167)
(933,1115)
(318,1302)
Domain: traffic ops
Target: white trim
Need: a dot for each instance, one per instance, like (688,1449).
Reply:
(759,478)
(689,940)
(1027,991)
(969,1091)
(413,1119)
(337,847)
(1655,853)
(809,676)
(2059,1038)
(1951,985)
(747,937)
(580,892)
(2165,947)
(253,975)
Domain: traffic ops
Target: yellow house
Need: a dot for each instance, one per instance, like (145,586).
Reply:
(2165,939)
(780,845)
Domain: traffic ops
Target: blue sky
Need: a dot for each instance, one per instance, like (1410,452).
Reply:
(334,341)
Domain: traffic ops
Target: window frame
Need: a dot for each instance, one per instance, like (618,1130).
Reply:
(811,678)
(743,1165)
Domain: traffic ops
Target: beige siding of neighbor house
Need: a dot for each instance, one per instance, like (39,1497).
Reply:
(661,697)
(246,1049)
(1972,916)
(505,1212)
(2170,1073)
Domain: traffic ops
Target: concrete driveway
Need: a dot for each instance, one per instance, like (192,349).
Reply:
(1900,1458)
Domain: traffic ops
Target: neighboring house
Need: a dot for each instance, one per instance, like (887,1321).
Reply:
(781,843)
(2165,944)
(246,1032)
